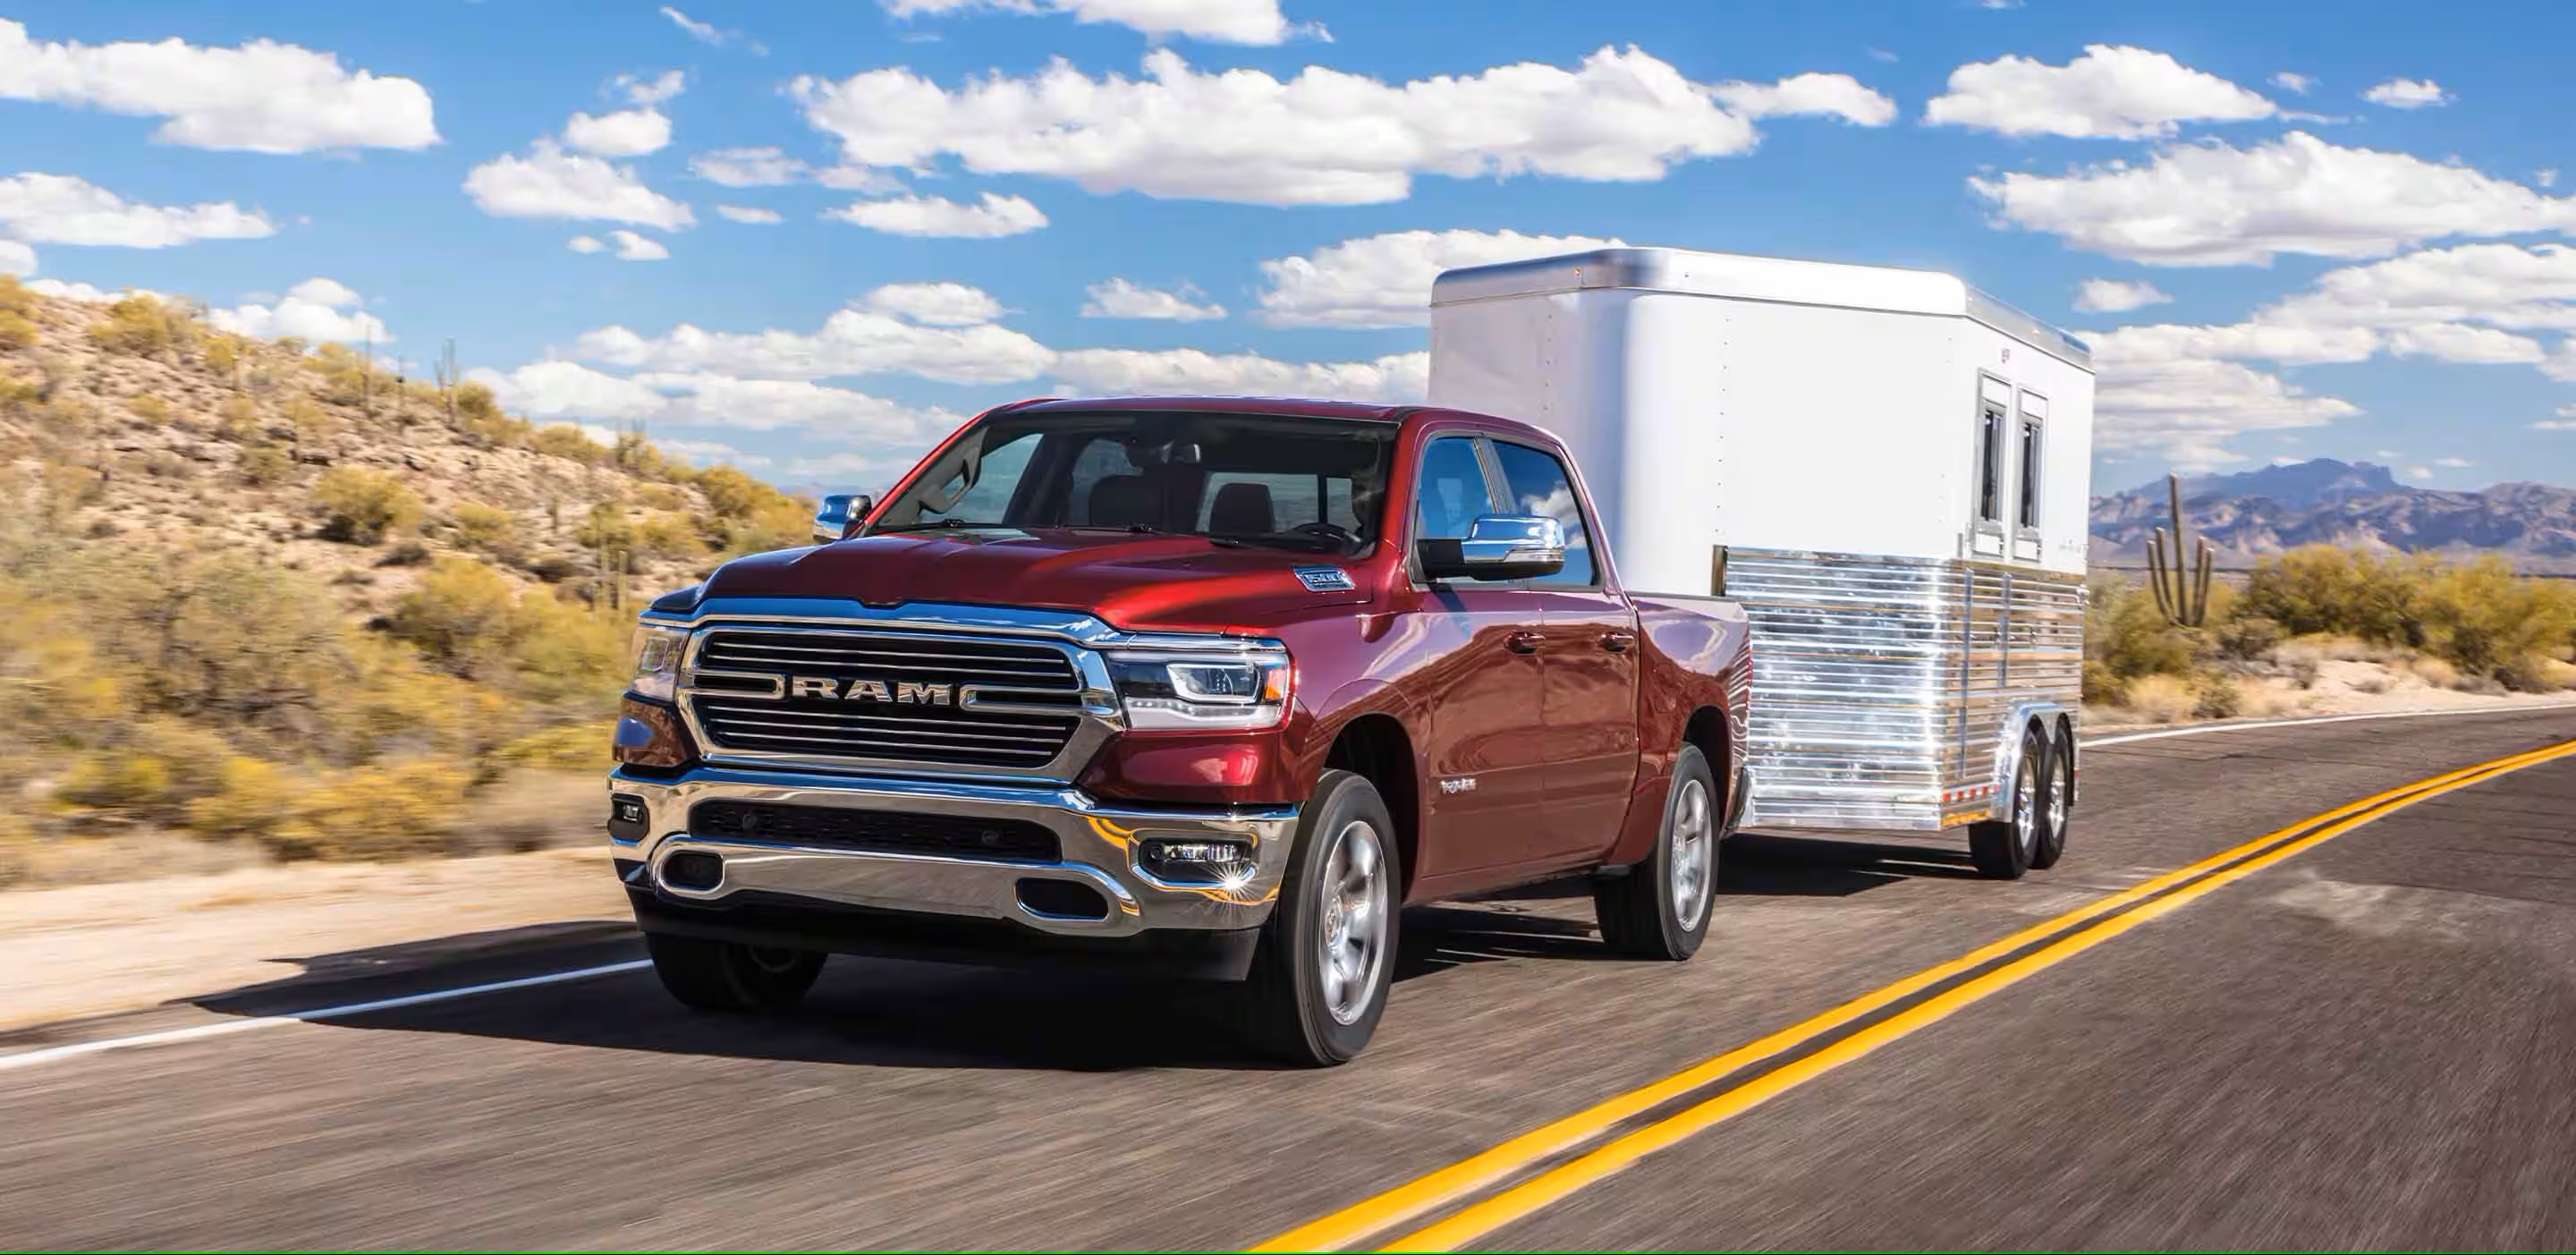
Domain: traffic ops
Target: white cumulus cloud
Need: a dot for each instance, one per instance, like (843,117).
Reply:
(16,258)
(1397,377)
(2213,204)
(750,214)
(259,97)
(625,133)
(748,167)
(633,247)
(850,342)
(1809,95)
(1385,280)
(935,304)
(1118,298)
(1324,137)
(993,217)
(1216,21)
(2110,92)
(552,183)
(316,310)
(2112,296)
(585,244)
(61,209)
(2408,93)
(2299,84)
(652,91)
(81,292)
(563,391)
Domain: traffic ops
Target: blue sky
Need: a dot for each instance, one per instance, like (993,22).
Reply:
(2352,214)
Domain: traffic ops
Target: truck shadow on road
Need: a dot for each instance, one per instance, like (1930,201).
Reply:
(885,1013)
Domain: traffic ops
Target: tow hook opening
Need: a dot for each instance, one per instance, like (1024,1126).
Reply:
(1061,899)
(693,870)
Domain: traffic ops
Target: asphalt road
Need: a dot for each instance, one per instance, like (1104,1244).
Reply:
(2372,1043)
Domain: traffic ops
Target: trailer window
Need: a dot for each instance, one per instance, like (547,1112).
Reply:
(2030,474)
(1990,463)
(1539,485)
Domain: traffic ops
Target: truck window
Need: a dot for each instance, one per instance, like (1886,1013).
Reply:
(1274,501)
(988,496)
(1990,463)
(1452,492)
(1100,459)
(1539,485)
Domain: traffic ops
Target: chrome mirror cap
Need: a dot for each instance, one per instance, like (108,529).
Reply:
(1499,547)
(841,515)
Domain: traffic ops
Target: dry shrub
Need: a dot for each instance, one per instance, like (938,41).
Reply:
(465,616)
(528,809)
(2215,695)
(571,747)
(487,529)
(563,440)
(363,507)
(2478,616)
(2162,698)
(2432,672)
(145,326)
(381,811)
(17,331)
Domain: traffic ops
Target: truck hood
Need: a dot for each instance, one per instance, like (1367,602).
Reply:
(1147,582)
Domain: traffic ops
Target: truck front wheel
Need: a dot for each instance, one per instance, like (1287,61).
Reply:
(726,976)
(1660,909)
(1326,957)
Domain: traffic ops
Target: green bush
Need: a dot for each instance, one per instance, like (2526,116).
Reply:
(486,529)
(2129,637)
(363,507)
(563,440)
(2478,616)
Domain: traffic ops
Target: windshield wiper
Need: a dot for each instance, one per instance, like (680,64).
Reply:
(936,525)
(1282,540)
(1148,529)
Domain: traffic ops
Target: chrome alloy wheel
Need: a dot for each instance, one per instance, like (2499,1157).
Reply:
(1694,853)
(2057,807)
(2026,804)
(1356,902)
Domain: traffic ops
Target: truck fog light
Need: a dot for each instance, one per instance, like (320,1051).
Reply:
(1197,862)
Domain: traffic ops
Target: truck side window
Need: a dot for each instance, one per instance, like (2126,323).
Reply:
(997,479)
(1990,463)
(1539,485)
(1451,492)
(1104,459)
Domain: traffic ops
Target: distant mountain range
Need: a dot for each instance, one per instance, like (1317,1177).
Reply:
(2251,514)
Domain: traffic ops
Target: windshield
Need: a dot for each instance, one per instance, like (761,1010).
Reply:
(1302,483)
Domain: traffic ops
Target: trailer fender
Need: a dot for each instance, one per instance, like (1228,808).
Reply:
(2014,730)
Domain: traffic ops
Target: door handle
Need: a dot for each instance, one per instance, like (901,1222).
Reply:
(1618,642)
(1523,642)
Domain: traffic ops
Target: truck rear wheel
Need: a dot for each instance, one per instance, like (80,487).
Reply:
(726,976)
(1660,909)
(2005,848)
(1326,957)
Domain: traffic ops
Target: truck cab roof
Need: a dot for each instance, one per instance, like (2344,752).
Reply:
(1278,407)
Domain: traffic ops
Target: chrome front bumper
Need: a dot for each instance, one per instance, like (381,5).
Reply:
(1100,846)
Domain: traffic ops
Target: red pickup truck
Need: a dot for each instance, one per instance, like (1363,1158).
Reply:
(1212,687)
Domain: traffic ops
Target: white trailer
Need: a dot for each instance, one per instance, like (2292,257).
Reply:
(1887,468)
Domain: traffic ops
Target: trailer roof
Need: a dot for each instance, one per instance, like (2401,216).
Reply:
(1889,288)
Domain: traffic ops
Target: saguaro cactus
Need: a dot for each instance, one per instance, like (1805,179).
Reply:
(2182,592)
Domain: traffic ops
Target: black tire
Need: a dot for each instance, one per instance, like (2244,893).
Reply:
(2003,847)
(1297,1005)
(726,976)
(2057,809)
(1643,914)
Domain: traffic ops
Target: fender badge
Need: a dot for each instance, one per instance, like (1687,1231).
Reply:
(1325,579)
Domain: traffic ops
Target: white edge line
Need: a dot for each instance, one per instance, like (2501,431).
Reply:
(50,1054)
(32,1058)
(2207,728)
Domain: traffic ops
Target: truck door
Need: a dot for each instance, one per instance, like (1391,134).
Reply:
(1484,805)
(1587,666)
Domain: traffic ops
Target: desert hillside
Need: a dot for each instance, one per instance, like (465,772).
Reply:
(267,598)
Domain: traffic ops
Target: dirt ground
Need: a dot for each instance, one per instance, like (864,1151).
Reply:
(95,949)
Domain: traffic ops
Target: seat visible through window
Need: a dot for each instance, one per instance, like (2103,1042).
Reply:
(1125,501)
(1243,508)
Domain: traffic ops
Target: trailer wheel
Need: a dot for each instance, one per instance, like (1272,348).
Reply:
(2004,848)
(1326,958)
(1660,909)
(2059,810)
(727,976)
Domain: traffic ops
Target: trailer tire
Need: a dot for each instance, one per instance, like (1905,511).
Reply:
(729,976)
(1325,962)
(2057,810)
(2004,848)
(1660,909)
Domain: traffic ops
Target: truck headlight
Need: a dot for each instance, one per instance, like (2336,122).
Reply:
(1169,692)
(657,660)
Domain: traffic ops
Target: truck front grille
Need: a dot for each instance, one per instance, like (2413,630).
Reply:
(894,697)
(898,832)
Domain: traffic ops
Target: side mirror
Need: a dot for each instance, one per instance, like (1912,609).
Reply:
(1498,547)
(841,515)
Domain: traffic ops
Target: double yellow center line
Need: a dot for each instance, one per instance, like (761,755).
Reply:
(1541,1166)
